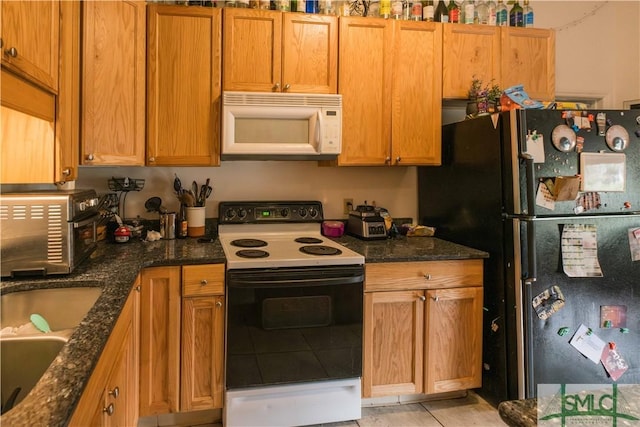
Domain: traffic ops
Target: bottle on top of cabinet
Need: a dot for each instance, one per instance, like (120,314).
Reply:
(502,14)
(482,11)
(491,10)
(441,13)
(454,12)
(516,15)
(428,11)
(528,14)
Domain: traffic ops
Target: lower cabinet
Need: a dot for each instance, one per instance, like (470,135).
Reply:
(111,395)
(181,339)
(422,327)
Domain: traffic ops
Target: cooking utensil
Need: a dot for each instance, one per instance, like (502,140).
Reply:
(194,189)
(177,185)
(40,323)
(187,199)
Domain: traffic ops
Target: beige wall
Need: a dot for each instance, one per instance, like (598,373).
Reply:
(598,55)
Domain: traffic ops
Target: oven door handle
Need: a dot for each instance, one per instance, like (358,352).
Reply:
(288,283)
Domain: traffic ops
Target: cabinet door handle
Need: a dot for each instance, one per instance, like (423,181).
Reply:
(436,298)
(276,87)
(137,288)
(203,282)
(422,298)
(152,159)
(90,157)
(66,172)
(12,52)
(286,87)
(109,409)
(387,160)
(115,392)
(218,304)
(427,276)
(398,159)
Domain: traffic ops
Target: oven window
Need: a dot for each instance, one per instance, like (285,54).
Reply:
(280,335)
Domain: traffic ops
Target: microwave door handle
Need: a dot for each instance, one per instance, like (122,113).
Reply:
(318,131)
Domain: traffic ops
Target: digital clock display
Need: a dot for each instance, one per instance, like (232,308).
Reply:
(266,214)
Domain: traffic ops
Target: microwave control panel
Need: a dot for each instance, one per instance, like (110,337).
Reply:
(331,131)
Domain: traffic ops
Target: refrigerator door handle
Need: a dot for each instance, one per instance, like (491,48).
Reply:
(532,272)
(531,183)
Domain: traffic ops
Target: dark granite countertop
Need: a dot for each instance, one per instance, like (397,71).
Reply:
(114,267)
(519,413)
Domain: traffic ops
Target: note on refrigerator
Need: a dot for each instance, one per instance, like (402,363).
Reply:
(588,343)
(580,250)
(634,243)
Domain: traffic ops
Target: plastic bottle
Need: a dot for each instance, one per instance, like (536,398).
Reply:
(491,6)
(502,14)
(528,14)
(468,12)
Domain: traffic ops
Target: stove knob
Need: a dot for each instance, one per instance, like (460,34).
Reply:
(313,212)
(230,213)
(302,212)
(284,212)
(242,213)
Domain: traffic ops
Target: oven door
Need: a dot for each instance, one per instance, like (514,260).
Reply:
(293,325)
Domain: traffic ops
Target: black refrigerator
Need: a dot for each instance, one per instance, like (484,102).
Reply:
(554,197)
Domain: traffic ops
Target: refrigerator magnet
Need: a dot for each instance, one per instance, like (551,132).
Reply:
(548,302)
(603,171)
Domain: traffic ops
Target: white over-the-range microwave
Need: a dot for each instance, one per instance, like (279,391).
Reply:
(262,125)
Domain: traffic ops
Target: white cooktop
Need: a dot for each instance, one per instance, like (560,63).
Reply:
(281,246)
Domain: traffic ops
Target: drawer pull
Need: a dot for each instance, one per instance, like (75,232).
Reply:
(115,392)
(427,276)
(203,282)
(109,409)
(219,304)
(423,298)
(436,298)
(12,52)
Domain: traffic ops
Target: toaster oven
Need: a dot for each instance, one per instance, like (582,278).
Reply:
(46,232)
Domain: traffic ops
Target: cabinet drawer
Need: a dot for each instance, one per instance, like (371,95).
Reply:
(391,276)
(207,279)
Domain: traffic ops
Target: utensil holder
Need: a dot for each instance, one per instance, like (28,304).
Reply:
(195,221)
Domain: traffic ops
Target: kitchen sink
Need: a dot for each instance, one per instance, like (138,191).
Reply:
(26,353)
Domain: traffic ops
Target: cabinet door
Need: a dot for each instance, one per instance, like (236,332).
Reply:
(252,50)
(68,100)
(113,82)
(309,53)
(528,58)
(202,353)
(160,340)
(416,103)
(453,346)
(364,80)
(183,86)
(468,52)
(111,394)
(30,40)
(393,343)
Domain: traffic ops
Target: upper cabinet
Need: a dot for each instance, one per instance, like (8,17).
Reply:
(469,51)
(528,58)
(183,85)
(390,80)
(29,40)
(271,51)
(505,55)
(113,82)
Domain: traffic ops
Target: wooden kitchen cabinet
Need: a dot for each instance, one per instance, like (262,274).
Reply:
(528,58)
(111,395)
(271,51)
(160,340)
(67,131)
(29,40)
(390,79)
(113,82)
(202,379)
(393,343)
(183,85)
(468,52)
(422,327)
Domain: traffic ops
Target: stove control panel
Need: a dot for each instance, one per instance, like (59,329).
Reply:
(269,211)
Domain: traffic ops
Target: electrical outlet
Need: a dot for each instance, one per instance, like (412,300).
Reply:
(347,205)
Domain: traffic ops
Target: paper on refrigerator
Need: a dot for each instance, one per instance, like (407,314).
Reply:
(580,250)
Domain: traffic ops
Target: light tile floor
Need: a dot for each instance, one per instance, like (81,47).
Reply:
(467,411)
